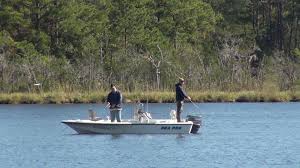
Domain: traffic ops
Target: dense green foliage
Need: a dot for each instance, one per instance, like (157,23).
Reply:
(83,45)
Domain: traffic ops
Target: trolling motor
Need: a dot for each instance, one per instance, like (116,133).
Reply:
(197,122)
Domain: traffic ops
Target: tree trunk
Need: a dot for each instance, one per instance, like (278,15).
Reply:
(158,77)
(36,14)
(90,75)
(257,18)
(101,53)
(291,31)
(263,15)
(297,45)
(253,16)
(270,34)
(279,34)
(281,37)
(125,40)
(2,78)
(54,34)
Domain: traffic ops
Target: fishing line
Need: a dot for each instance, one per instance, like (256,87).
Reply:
(106,109)
(196,107)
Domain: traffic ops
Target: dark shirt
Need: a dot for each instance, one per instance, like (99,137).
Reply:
(180,93)
(115,99)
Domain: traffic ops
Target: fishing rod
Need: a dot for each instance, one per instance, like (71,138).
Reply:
(195,105)
(106,108)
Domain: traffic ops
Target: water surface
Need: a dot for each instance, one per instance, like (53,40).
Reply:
(247,135)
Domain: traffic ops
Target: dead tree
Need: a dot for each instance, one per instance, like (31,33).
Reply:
(156,63)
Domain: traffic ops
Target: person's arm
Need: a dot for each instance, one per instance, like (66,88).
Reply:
(184,94)
(120,99)
(108,100)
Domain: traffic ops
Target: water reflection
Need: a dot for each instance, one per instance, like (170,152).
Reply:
(180,136)
(115,136)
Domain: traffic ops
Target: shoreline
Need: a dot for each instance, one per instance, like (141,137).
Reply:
(151,97)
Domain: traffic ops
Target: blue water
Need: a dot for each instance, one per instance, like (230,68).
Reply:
(245,135)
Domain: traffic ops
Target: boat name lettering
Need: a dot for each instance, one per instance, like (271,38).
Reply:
(168,128)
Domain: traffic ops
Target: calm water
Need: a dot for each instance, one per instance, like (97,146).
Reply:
(246,135)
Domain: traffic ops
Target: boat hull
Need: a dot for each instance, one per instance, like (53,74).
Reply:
(105,127)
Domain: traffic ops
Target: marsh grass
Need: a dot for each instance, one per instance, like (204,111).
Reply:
(151,97)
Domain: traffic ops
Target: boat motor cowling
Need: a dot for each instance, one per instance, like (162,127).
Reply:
(197,122)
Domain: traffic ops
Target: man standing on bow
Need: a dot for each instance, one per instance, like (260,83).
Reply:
(180,96)
(114,100)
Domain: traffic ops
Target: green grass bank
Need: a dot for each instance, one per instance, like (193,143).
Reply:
(152,97)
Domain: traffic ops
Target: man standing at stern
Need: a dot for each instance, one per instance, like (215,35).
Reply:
(180,96)
(114,100)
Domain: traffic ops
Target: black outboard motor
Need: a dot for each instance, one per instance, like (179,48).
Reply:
(197,122)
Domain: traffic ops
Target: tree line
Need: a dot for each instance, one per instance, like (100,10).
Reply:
(85,45)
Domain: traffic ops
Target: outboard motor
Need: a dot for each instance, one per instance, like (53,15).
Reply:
(197,122)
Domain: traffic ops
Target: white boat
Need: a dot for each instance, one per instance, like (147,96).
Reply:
(141,124)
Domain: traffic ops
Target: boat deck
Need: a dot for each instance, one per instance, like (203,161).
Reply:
(130,121)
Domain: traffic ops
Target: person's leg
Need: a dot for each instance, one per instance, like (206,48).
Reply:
(118,115)
(112,115)
(178,112)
